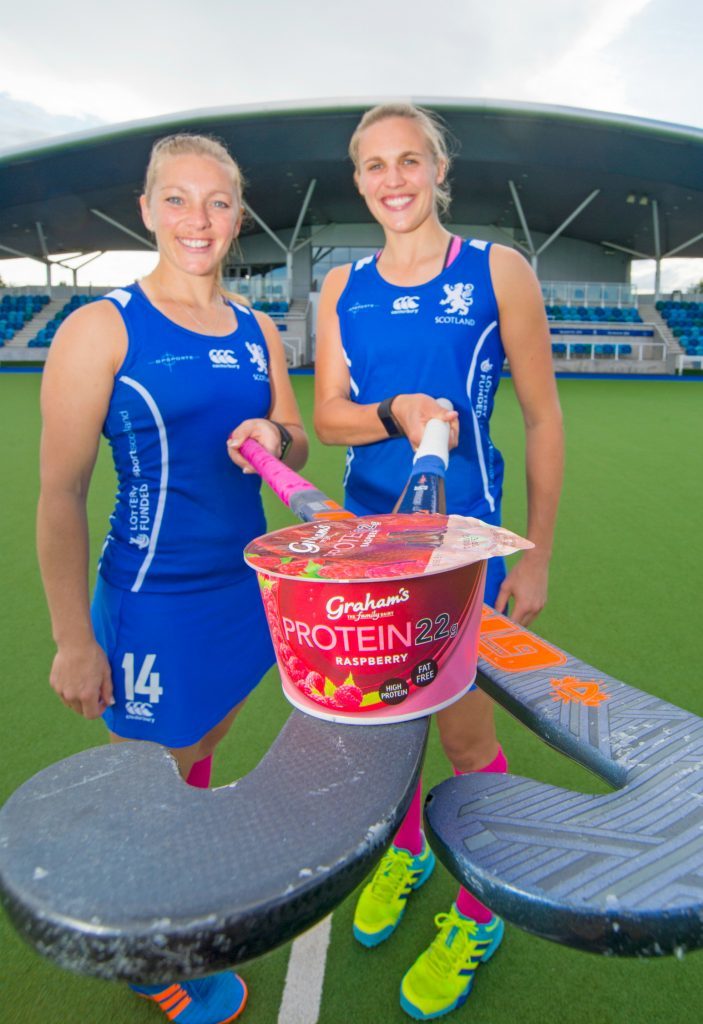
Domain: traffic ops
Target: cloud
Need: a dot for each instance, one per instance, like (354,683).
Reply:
(675,273)
(171,56)
(22,122)
(586,71)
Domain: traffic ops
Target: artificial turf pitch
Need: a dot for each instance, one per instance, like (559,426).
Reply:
(624,596)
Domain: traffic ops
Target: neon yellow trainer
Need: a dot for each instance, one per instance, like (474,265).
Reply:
(382,902)
(440,980)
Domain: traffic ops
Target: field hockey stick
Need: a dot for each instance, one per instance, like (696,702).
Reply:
(583,870)
(120,889)
(423,491)
(620,873)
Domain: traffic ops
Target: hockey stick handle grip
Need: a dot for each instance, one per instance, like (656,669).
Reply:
(294,490)
(435,440)
(282,480)
(305,500)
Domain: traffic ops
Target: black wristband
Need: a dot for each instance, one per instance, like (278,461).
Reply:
(393,428)
(286,438)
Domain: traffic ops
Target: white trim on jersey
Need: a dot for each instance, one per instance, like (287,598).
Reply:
(352,383)
(119,295)
(363,261)
(478,243)
(349,458)
(163,483)
(477,432)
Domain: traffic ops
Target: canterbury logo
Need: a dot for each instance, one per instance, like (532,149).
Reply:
(139,709)
(406,304)
(223,357)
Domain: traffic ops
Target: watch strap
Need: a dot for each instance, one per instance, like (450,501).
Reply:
(286,438)
(385,414)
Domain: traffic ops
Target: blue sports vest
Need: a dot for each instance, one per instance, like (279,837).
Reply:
(183,511)
(441,338)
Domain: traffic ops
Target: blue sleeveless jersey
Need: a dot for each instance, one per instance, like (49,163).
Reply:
(441,338)
(184,511)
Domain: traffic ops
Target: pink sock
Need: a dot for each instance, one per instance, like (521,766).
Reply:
(409,836)
(199,774)
(467,904)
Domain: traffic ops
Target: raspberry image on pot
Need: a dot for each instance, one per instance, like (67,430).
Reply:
(348,697)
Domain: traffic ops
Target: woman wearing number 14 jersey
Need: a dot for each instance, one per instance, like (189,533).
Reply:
(433,316)
(165,369)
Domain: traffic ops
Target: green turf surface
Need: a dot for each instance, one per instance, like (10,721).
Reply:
(625,596)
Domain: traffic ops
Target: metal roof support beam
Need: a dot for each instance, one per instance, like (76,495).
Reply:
(23,255)
(74,269)
(658,255)
(311,236)
(513,241)
(321,253)
(91,256)
(684,245)
(301,215)
(565,224)
(262,224)
(530,248)
(291,248)
(657,250)
(120,227)
(42,242)
(630,252)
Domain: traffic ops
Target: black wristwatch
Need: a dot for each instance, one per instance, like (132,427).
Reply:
(393,428)
(286,438)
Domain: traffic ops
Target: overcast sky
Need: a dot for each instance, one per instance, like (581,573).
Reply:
(66,67)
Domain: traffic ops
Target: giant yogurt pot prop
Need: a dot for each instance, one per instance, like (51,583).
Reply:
(376,619)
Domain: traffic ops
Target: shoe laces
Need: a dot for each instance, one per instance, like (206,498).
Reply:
(454,947)
(393,874)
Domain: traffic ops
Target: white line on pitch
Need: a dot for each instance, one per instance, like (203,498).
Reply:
(306,973)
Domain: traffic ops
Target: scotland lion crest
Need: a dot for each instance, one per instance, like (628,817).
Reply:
(258,356)
(458,298)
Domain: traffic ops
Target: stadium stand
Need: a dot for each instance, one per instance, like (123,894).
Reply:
(594,314)
(16,311)
(274,309)
(685,321)
(45,335)
(586,335)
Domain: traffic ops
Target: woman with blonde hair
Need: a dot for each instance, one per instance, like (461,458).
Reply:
(166,369)
(433,315)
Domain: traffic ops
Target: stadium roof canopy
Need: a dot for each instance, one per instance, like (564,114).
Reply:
(79,193)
